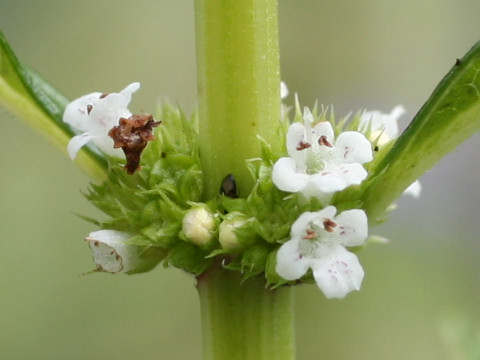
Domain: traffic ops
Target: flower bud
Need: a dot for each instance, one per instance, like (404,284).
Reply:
(235,232)
(197,225)
(112,254)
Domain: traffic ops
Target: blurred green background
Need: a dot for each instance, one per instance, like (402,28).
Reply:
(352,54)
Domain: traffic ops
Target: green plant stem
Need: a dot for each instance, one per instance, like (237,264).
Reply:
(244,321)
(239,100)
(238,86)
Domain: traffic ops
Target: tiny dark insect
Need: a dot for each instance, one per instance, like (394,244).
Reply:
(229,187)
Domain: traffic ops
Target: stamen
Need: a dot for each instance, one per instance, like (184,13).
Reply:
(329,225)
(303,145)
(89,108)
(322,141)
(311,235)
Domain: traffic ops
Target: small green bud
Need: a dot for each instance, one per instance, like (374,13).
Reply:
(198,225)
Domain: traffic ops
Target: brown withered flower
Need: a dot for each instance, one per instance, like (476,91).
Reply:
(132,135)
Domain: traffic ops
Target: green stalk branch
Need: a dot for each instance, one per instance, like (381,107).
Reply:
(449,117)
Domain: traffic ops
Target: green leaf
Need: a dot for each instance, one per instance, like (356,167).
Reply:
(25,94)
(449,117)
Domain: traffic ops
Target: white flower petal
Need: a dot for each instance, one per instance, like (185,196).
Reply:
(283,90)
(351,174)
(76,143)
(353,147)
(323,128)
(414,189)
(291,265)
(95,114)
(338,274)
(129,90)
(308,217)
(105,143)
(327,182)
(110,252)
(286,177)
(352,227)
(307,116)
(339,178)
(295,137)
(77,113)
(391,122)
(378,121)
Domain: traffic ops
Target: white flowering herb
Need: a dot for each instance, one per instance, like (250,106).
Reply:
(94,115)
(319,164)
(318,241)
(242,257)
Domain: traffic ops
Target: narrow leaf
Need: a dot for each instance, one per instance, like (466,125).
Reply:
(25,94)
(450,116)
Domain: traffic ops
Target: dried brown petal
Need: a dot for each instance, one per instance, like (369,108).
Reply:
(132,135)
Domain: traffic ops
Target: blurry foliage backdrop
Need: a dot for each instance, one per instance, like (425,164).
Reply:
(370,54)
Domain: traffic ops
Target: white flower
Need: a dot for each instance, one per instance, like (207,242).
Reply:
(318,241)
(384,128)
(111,253)
(381,124)
(283,90)
(197,225)
(414,189)
(94,115)
(317,163)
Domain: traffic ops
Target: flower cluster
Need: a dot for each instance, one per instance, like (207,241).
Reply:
(317,167)
(295,226)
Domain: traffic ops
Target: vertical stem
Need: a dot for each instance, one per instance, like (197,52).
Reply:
(239,99)
(244,320)
(238,86)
